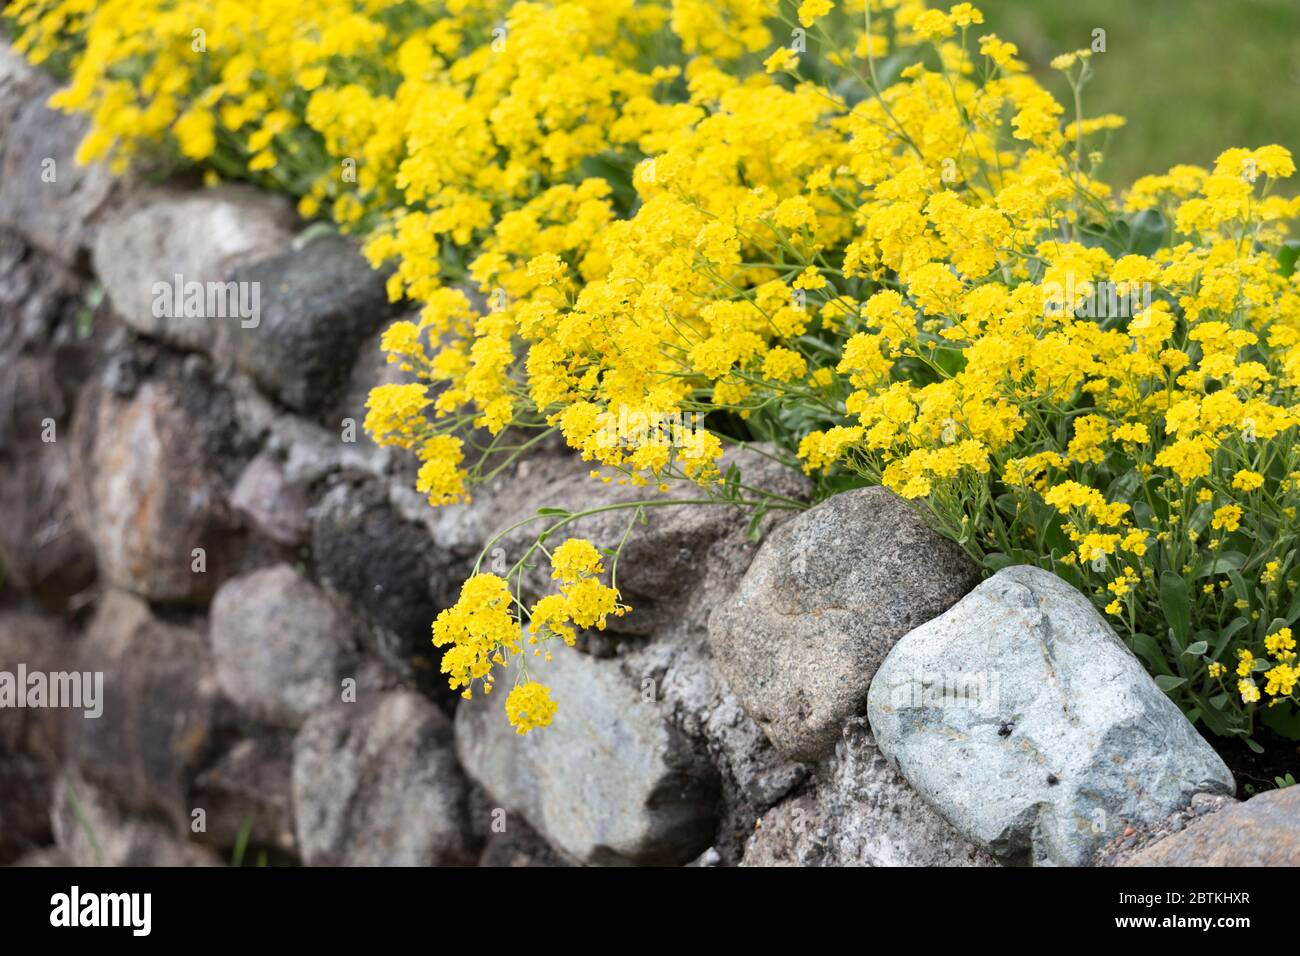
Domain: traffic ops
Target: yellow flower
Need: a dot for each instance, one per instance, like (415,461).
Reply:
(196,133)
(1247,480)
(782,59)
(784,365)
(529,706)
(1249,692)
(810,10)
(1281,680)
(1280,644)
(575,559)
(1227,518)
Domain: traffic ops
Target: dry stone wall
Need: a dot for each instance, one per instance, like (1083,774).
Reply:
(188,506)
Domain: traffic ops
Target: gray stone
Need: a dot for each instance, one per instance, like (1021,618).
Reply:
(31,738)
(247,793)
(666,558)
(161,709)
(514,845)
(376,783)
(19,83)
(1023,719)
(319,304)
(675,665)
(825,599)
(42,549)
(370,370)
(151,487)
(43,644)
(58,207)
(860,813)
(611,781)
(1261,831)
(676,567)
(1133,840)
(24,805)
(43,857)
(92,829)
(306,452)
(282,646)
(201,236)
(390,571)
(270,503)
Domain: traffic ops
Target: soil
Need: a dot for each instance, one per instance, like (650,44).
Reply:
(1280,757)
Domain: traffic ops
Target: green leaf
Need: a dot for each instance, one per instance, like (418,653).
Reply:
(996,561)
(1233,627)
(551,511)
(1240,590)
(950,361)
(1146,232)
(1176,602)
(1283,721)
(1293,611)
(1167,682)
(1196,649)
(1124,486)
(1148,648)
(1221,564)
(1287,255)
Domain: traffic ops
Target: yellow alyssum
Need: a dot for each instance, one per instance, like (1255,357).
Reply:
(651,220)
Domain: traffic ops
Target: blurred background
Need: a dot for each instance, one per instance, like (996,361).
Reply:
(1193,77)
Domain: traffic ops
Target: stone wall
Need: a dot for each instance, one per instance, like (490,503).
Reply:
(190,507)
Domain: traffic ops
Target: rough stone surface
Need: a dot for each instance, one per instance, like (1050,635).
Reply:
(282,646)
(611,781)
(57,207)
(1261,831)
(1025,721)
(25,792)
(665,558)
(247,789)
(43,644)
(92,829)
(306,452)
(161,708)
(43,351)
(519,847)
(676,667)
(202,236)
(507,839)
(861,813)
(376,783)
(391,572)
(20,82)
(151,486)
(1135,839)
(271,504)
(826,598)
(319,303)
(43,857)
(31,739)
(370,370)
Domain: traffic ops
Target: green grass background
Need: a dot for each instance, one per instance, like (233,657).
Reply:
(1193,77)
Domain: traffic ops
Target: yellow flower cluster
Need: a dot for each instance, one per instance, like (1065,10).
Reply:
(483,628)
(648,227)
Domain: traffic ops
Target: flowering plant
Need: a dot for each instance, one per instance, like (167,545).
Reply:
(885,250)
